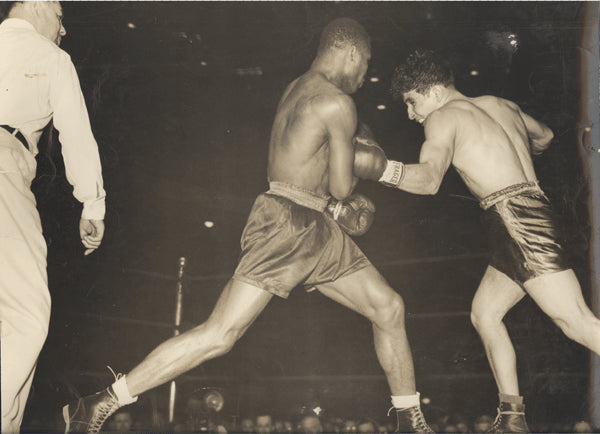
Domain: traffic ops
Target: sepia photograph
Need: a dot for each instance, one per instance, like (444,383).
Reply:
(300,216)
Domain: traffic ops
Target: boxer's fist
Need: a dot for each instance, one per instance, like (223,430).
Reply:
(370,161)
(354,214)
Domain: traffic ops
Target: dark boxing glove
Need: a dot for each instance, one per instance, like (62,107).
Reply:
(370,161)
(354,214)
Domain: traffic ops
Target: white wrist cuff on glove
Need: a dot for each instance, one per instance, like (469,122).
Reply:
(393,173)
(337,210)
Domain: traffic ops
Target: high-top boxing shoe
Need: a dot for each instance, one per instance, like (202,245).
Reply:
(510,419)
(411,420)
(86,415)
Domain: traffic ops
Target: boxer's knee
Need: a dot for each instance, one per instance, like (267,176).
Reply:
(572,327)
(485,316)
(226,339)
(578,326)
(390,314)
(214,338)
(476,319)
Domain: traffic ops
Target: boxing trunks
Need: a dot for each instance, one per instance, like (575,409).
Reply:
(522,232)
(289,241)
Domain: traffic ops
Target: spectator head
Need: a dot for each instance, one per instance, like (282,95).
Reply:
(462,426)
(278,426)
(288,426)
(121,421)
(458,424)
(310,424)
(247,425)
(349,426)
(366,426)
(483,423)
(449,427)
(264,424)
(582,427)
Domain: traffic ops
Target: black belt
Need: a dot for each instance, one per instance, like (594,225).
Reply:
(20,137)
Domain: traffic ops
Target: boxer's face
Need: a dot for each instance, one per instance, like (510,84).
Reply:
(363,66)
(419,106)
(49,14)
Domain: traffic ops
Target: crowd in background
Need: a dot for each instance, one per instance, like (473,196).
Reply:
(130,420)
(126,420)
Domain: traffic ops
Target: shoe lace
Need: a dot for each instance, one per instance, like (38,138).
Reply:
(421,423)
(497,421)
(417,415)
(102,412)
(117,376)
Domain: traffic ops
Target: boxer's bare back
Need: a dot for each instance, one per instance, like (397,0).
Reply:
(487,139)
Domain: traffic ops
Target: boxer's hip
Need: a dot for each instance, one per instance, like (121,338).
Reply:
(523,232)
(298,195)
(524,188)
(288,240)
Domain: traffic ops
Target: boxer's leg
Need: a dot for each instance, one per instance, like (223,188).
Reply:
(237,308)
(366,292)
(559,296)
(496,295)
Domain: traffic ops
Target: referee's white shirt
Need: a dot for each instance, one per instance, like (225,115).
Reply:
(38,82)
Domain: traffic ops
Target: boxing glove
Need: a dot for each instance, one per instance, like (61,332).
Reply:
(354,214)
(370,161)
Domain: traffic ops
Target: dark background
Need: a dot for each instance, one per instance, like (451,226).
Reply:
(181,103)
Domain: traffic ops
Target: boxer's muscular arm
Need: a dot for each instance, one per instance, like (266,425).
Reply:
(436,156)
(539,134)
(339,114)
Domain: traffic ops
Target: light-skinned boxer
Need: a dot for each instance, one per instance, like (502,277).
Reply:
(490,141)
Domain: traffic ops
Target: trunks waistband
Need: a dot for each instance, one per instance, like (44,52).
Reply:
(511,191)
(298,195)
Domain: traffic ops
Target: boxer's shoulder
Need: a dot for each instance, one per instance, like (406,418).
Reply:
(332,104)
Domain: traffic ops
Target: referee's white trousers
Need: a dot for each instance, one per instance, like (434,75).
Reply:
(24,296)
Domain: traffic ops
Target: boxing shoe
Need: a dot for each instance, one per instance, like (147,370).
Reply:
(510,419)
(411,420)
(88,414)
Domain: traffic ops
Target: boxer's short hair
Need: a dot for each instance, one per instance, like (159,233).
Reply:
(342,32)
(421,71)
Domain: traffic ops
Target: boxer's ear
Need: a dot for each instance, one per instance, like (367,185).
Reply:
(353,53)
(437,92)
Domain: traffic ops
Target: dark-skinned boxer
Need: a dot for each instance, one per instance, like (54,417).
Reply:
(290,240)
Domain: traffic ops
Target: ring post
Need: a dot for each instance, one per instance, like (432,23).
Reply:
(178,304)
